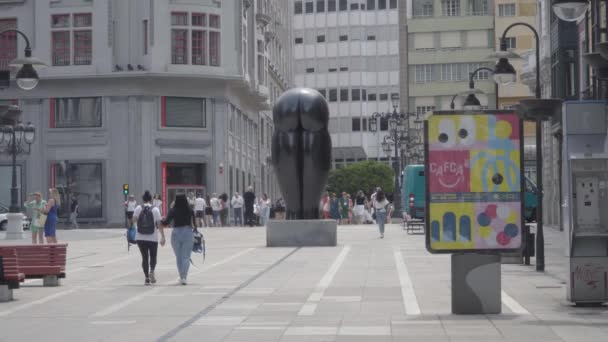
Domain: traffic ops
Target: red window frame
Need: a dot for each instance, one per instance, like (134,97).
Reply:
(163,111)
(199,50)
(52,111)
(56,23)
(60,48)
(179,46)
(175,16)
(8,42)
(199,19)
(83,47)
(83,20)
(214,48)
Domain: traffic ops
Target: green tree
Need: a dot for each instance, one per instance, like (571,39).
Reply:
(365,175)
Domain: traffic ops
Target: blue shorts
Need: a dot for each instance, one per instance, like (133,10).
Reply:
(49,229)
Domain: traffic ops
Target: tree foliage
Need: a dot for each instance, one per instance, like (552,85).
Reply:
(365,175)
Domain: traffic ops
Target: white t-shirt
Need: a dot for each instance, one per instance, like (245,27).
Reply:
(131,205)
(215,204)
(264,204)
(199,204)
(380,205)
(237,202)
(156,213)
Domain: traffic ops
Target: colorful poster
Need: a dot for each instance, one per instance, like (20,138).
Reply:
(474,188)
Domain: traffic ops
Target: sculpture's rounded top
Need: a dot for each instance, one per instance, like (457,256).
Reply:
(301,107)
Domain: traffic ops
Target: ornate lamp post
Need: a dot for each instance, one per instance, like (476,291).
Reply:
(533,109)
(398,136)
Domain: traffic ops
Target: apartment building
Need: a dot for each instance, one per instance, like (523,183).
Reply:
(447,40)
(348,51)
(168,96)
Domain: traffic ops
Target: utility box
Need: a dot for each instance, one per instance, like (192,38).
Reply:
(585,194)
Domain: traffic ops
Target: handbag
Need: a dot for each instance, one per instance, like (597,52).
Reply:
(41,220)
(199,243)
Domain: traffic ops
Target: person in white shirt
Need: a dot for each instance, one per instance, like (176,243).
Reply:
(264,209)
(216,206)
(157,202)
(148,224)
(199,209)
(237,205)
(130,205)
(380,203)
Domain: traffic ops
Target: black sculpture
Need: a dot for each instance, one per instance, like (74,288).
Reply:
(301,150)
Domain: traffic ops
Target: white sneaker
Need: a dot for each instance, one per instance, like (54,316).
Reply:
(183,281)
(382,236)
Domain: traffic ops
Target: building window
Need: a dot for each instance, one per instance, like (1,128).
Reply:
(506,10)
(356,125)
(331,5)
(332,70)
(333,95)
(511,43)
(8,43)
(421,110)
(145,34)
(310,70)
(321,39)
(76,112)
(320,6)
(450,8)
(384,124)
(481,74)
(343,38)
(297,7)
(308,7)
(371,37)
(343,95)
(423,73)
(322,92)
(183,112)
(354,6)
(392,4)
(202,34)
(371,5)
(82,181)
(384,97)
(356,94)
(343,68)
(422,8)
(343,5)
(381,4)
(449,72)
(371,97)
(478,7)
(299,40)
(62,29)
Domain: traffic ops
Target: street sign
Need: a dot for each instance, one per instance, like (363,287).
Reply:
(125,189)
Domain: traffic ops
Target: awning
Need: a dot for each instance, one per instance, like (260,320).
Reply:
(348,152)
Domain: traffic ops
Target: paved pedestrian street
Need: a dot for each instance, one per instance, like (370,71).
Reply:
(365,289)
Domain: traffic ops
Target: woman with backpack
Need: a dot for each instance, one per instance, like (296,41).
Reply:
(147,217)
(380,203)
(182,218)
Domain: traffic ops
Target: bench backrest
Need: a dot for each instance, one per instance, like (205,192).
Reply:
(9,267)
(42,255)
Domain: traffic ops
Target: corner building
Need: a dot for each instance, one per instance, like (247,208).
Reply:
(168,96)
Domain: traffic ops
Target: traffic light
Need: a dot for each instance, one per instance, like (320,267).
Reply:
(125,189)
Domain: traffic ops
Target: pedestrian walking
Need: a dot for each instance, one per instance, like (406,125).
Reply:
(191,200)
(36,205)
(216,206)
(182,237)
(380,203)
(208,212)
(50,210)
(324,205)
(157,203)
(334,207)
(237,207)
(225,210)
(279,209)
(130,206)
(148,221)
(249,199)
(74,208)
(359,209)
(345,208)
(264,209)
(199,209)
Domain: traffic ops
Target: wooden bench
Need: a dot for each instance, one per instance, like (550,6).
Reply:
(10,277)
(42,261)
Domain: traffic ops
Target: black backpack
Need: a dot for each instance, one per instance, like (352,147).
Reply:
(145,221)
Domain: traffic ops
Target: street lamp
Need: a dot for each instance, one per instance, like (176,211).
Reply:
(27,77)
(537,110)
(471,101)
(570,10)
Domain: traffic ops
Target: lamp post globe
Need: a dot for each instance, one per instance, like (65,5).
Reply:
(504,72)
(570,10)
(27,77)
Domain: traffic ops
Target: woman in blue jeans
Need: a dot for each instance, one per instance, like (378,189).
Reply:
(182,219)
(380,204)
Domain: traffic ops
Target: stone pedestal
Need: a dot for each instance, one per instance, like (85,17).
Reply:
(14,230)
(476,284)
(50,280)
(6,294)
(300,233)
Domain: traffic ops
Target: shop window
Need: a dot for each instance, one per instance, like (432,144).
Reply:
(76,112)
(8,43)
(82,181)
(183,112)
